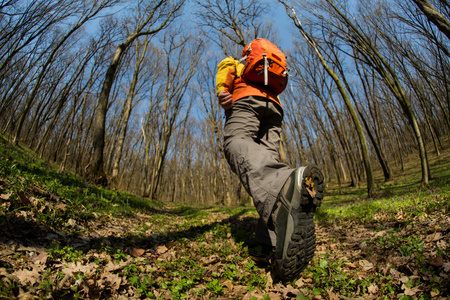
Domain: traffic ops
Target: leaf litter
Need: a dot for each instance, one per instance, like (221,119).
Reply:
(168,255)
(53,247)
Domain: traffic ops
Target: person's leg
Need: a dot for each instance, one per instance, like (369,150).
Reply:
(251,139)
(284,199)
(269,136)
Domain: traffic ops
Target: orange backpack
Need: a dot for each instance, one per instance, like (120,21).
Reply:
(265,64)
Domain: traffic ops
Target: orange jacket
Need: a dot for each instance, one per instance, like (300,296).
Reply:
(228,78)
(243,89)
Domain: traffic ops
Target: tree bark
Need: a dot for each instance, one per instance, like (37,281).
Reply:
(127,109)
(364,46)
(434,16)
(98,141)
(46,65)
(350,108)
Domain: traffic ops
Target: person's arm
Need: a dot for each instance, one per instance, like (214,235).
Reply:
(226,72)
(225,99)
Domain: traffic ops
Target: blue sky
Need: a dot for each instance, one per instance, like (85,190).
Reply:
(277,14)
(284,24)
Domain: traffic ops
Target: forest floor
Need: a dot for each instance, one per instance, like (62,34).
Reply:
(62,238)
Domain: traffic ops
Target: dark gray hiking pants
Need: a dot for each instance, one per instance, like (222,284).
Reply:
(251,143)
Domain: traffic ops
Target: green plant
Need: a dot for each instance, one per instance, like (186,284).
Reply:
(9,288)
(46,286)
(215,287)
(232,272)
(120,255)
(66,253)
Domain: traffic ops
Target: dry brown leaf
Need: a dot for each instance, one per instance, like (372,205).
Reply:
(5,197)
(442,244)
(269,282)
(27,276)
(273,296)
(366,265)
(137,252)
(74,268)
(239,291)
(446,267)
(278,288)
(373,289)
(113,280)
(228,284)
(23,197)
(210,260)
(332,295)
(437,261)
(290,291)
(161,249)
(299,283)
(40,259)
(61,206)
(6,252)
(26,296)
(434,237)
(71,222)
(34,201)
(433,294)
(404,279)
(113,267)
(410,292)
(398,260)
(381,233)
(395,274)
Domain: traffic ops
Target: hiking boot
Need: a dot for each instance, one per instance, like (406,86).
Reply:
(293,221)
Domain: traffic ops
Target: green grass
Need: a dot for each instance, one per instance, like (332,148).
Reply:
(108,243)
(402,194)
(22,171)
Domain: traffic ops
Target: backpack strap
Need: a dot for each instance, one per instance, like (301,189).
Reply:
(266,70)
(243,59)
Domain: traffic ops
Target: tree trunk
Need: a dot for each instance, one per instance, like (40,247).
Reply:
(127,109)
(350,108)
(100,117)
(364,46)
(434,16)
(98,142)
(45,66)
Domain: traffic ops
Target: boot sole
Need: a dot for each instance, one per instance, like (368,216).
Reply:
(297,244)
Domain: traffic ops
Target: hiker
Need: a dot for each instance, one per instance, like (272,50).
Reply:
(285,198)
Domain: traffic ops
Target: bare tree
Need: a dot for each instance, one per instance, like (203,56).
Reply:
(152,18)
(434,15)
(424,57)
(352,112)
(128,105)
(364,45)
(182,56)
(25,23)
(369,88)
(64,98)
(316,79)
(235,20)
(205,91)
(88,12)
